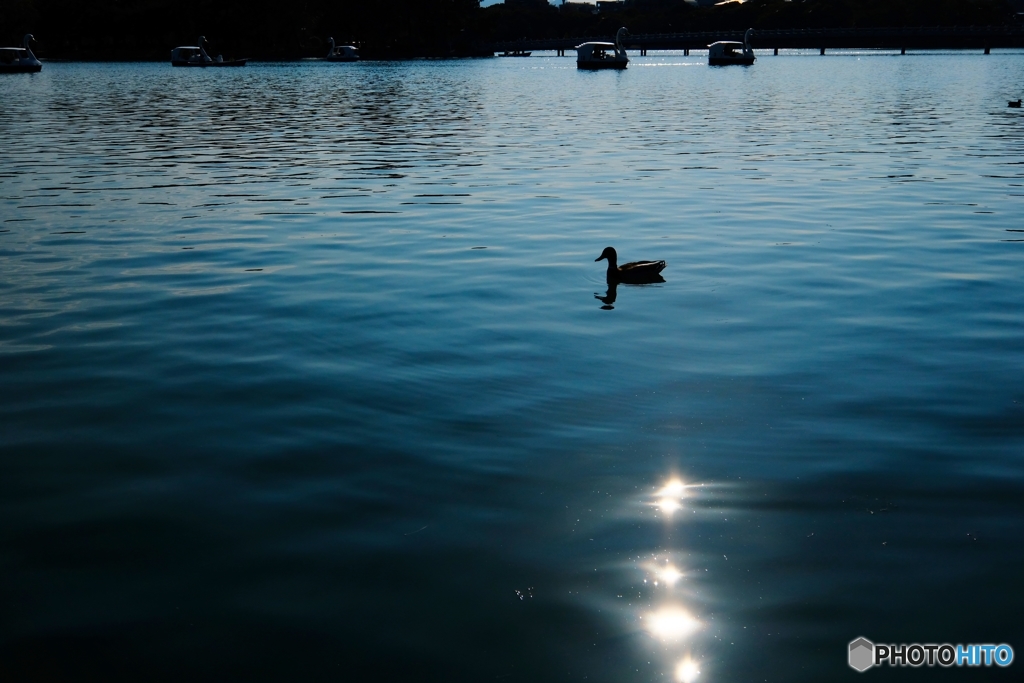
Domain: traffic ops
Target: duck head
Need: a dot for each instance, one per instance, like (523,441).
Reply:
(608,253)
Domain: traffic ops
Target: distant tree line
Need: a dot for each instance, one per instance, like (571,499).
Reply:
(517,19)
(265,29)
(260,29)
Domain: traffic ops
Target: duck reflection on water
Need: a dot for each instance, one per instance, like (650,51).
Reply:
(609,297)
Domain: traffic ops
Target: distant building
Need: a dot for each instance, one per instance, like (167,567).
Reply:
(583,7)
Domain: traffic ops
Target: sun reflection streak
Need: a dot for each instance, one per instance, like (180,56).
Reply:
(671,624)
(669,574)
(670,496)
(669,505)
(687,671)
(673,489)
(664,573)
(664,611)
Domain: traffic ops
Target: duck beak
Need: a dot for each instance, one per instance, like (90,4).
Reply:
(598,259)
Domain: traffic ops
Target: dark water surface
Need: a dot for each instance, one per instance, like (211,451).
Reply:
(303,376)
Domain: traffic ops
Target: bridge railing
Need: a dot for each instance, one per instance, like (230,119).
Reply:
(921,37)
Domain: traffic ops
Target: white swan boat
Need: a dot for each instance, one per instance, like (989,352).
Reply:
(603,55)
(342,53)
(19,60)
(191,55)
(726,52)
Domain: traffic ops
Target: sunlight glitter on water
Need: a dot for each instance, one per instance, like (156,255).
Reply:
(671,623)
(663,610)
(670,497)
(667,574)
(687,671)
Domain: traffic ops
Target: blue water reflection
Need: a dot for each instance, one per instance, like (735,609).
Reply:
(302,370)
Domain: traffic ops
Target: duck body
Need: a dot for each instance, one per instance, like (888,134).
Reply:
(636,272)
(1014,103)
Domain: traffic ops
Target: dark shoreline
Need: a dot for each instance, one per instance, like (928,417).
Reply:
(824,40)
(131,30)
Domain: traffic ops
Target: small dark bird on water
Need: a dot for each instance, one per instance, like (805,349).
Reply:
(637,272)
(1015,105)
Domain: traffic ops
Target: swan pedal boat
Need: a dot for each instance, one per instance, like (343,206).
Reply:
(342,53)
(592,56)
(726,52)
(191,55)
(19,60)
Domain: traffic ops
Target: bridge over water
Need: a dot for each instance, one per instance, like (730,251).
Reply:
(904,38)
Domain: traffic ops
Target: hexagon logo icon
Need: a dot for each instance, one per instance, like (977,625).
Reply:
(862,654)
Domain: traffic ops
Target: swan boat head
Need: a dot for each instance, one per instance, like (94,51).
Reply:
(202,50)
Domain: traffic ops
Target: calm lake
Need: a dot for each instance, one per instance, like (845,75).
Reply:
(307,372)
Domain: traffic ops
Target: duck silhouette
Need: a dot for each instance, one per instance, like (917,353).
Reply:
(635,273)
(1014,103)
